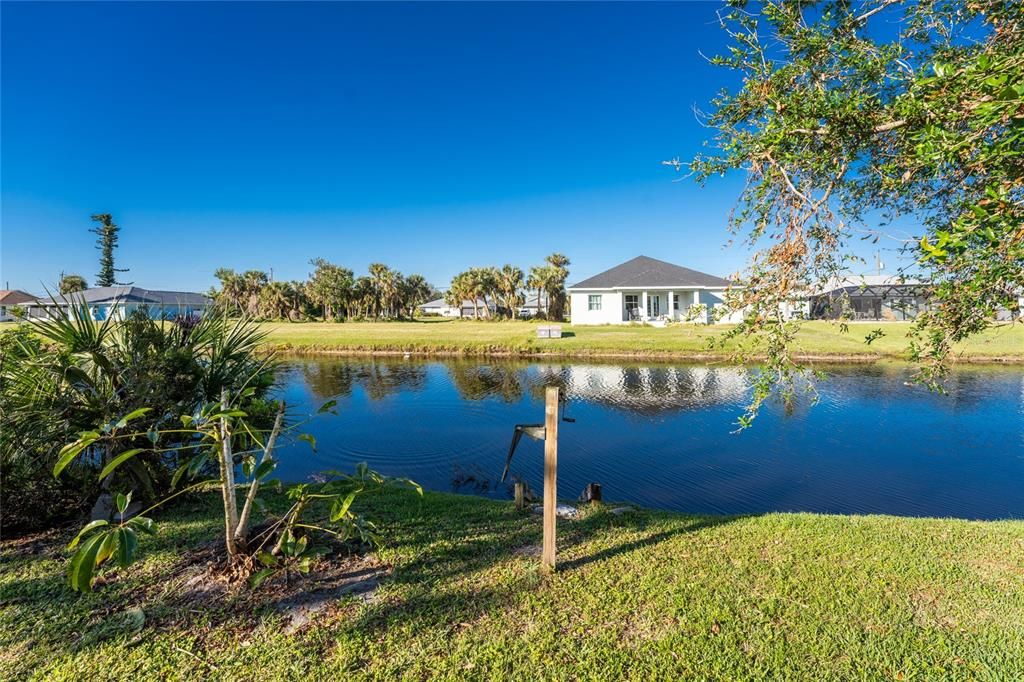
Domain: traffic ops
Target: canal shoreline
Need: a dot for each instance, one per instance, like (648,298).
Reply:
(815,342)
(652,356)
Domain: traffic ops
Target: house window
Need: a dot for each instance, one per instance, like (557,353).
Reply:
(675,302)
(594,302)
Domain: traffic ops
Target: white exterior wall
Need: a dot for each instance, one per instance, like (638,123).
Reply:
(610,312)
(613,306)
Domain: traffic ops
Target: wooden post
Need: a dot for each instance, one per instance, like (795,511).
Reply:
(547,561)
(520,496)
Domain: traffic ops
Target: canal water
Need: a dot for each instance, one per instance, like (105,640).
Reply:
(664,436)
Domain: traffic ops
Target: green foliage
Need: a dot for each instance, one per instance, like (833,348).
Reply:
(219,432)
(100,541)
(70,284)
(856,114)
(106,241)
(330,292)
(72,380)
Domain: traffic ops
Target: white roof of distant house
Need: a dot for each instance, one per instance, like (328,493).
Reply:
(853,282)
(531,300)
(132,294)
(440,303)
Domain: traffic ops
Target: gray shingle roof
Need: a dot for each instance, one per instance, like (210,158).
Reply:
(130,294)
(651,273)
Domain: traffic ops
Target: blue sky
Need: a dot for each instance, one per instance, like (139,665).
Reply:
(431,137)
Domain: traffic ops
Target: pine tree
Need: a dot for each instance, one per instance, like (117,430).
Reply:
(106,242)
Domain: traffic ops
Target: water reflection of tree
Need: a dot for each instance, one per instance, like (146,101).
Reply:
(333,378)
(327,379)
(965,387)
(477,382)
(382,378)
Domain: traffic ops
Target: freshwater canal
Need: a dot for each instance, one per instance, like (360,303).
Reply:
(663,436)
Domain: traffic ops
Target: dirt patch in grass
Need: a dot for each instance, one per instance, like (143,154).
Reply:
(200,581)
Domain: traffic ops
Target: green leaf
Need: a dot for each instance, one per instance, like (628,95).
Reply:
(83,563)
(258,579)
(266,558)
(143,523)
(108,547)
(122,501)
(92,525)
(265,467)
(128,541)
(132,416)
(72,450)
(327,406)
(119,460)
(178,473)
(340,507)
(309,439)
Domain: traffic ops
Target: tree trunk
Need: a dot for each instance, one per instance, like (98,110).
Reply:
(242,529)
(227,481)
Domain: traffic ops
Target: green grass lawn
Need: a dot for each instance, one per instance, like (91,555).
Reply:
(650,595)
(818,339)
(471,337)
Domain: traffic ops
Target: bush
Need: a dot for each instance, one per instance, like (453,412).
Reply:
(62,377)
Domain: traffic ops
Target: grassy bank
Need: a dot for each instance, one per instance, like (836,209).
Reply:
(648,595)
(468,337)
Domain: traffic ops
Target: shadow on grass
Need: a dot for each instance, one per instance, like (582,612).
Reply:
(447,586)
(698,524)
(456,560)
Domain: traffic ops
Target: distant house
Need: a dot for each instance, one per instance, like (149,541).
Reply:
(9,298)
(869,297)
(121,301)
(440,307)
(532,304)
(649,290)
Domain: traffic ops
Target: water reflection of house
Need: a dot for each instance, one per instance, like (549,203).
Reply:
(655,388)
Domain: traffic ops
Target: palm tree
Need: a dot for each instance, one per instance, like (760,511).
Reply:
(415,290)
(253,282)
(382,280)
(558,265)
(232,290)
(363,295)
(486,284)
(276,300)
(509,281)
(70,284)
(538,279)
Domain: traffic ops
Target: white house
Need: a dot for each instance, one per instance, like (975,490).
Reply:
(649,290)
(442,308)
(533,304)
(119,302)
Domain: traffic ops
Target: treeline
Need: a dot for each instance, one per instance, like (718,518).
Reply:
(332,292)
(505,288)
